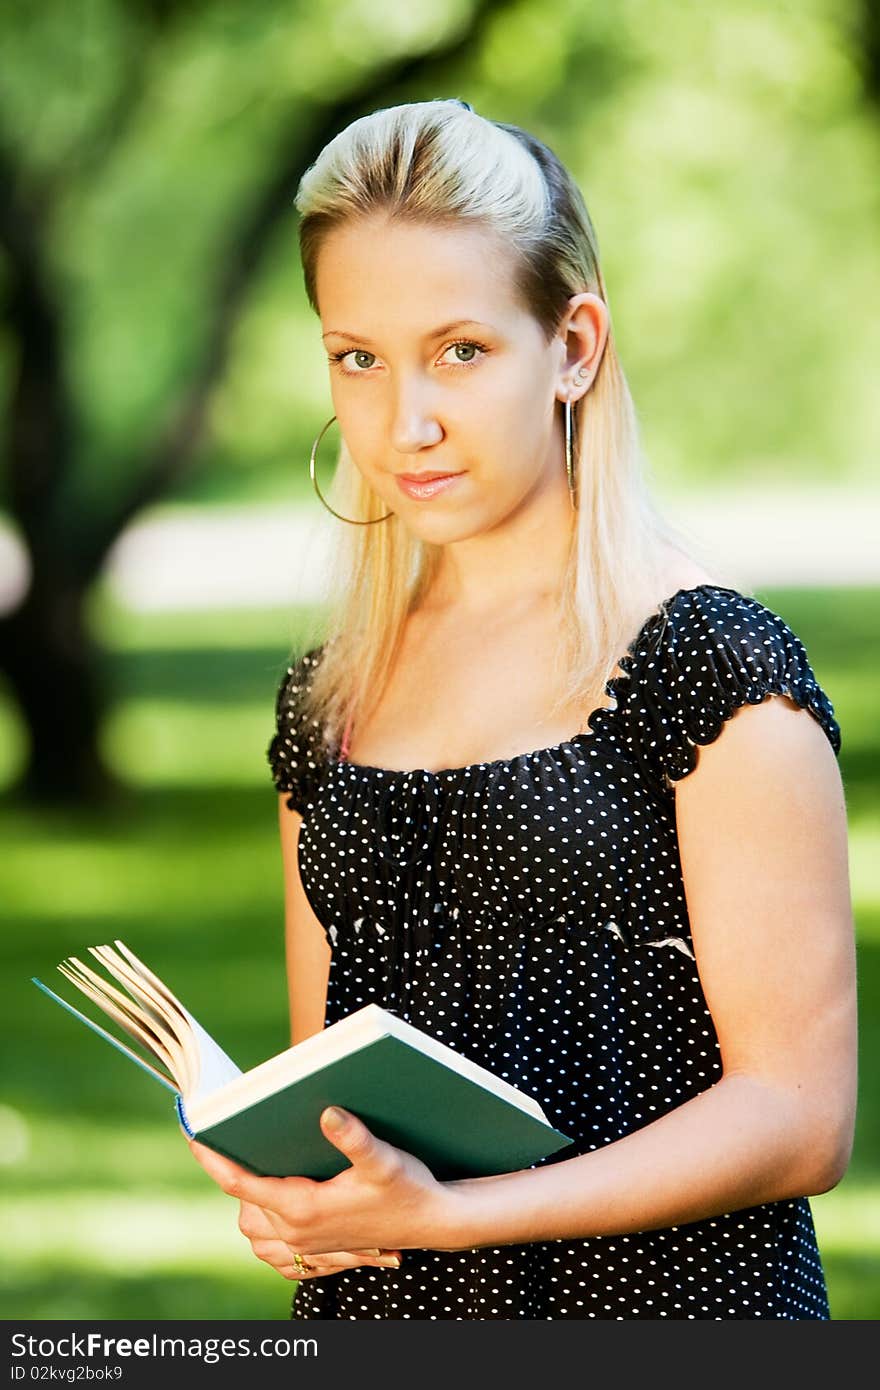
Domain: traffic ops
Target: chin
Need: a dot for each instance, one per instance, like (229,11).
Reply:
(434,530)
(446,530)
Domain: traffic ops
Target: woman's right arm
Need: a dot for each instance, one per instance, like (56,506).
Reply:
(308,967)
(307,949)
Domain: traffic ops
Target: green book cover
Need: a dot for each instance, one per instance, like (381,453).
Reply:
(409,1088)
(456,1126)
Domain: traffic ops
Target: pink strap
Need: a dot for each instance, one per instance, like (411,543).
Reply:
(346,739)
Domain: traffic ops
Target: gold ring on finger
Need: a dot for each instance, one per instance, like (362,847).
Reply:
(300,1265)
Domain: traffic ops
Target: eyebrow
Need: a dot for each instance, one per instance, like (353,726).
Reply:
(429,337)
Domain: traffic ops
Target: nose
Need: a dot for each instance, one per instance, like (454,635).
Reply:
(414,425)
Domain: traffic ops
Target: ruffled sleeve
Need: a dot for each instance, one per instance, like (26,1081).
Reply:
(715,650)
(296,754)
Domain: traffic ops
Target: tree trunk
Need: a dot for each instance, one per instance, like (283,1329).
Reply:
(54,669)
(55,674)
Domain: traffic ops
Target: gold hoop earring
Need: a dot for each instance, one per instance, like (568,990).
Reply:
(570,474)
(569,444)
(314,479)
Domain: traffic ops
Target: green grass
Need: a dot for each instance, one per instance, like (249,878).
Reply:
(104,1213)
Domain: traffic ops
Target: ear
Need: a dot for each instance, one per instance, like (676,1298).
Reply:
(584,333)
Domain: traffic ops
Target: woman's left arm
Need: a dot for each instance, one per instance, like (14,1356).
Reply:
(762,833)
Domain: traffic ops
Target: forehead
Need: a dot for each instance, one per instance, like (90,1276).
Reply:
(379,272)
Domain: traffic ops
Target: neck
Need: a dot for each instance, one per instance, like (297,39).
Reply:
(522,561)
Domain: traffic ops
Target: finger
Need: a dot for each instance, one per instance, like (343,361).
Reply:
(280,1256)
(268,1245)
(382,1259)
(254,1221)
(350,1259)
(379,1254)
(257,1225)
(240,1182)
(351,1137)
(298,1275)
(338,1260)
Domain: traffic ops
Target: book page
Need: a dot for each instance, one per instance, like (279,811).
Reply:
(158,985)
(215,1068)
(124,1016)
(210,1067)
(138,987)
(159,1004)
(155,1018)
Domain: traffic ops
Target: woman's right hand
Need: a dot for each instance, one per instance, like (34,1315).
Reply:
(266,1244)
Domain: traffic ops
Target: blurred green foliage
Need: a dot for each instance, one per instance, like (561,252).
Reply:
(728,156)
(105,1215)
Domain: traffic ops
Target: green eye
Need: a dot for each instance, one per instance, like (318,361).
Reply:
(363,360)
(467,345)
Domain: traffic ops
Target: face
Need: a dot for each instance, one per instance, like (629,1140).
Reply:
(437,367)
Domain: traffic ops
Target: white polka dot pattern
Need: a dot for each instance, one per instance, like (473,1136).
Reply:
(531,913)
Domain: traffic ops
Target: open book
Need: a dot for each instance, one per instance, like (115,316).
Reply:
(408,1088)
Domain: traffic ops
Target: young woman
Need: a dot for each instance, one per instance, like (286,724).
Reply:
(534,793)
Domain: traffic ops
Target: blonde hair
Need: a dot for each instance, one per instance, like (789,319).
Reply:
(440,163)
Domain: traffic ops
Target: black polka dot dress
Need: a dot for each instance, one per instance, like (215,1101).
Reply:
(530,912)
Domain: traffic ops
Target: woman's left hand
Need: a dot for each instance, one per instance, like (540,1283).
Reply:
(386,1199)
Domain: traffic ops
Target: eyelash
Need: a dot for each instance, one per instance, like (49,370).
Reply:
(336,358)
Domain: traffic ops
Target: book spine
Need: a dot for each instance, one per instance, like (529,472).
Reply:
(181,1115)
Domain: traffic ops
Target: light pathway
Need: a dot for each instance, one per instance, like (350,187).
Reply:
(255,556)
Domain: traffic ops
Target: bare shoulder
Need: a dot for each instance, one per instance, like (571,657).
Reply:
(684,573)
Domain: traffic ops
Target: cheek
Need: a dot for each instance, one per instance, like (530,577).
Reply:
(503,410)
(519,434)
(364,436)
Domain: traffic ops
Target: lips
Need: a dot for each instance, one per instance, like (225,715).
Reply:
(425,477)
(424,486)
